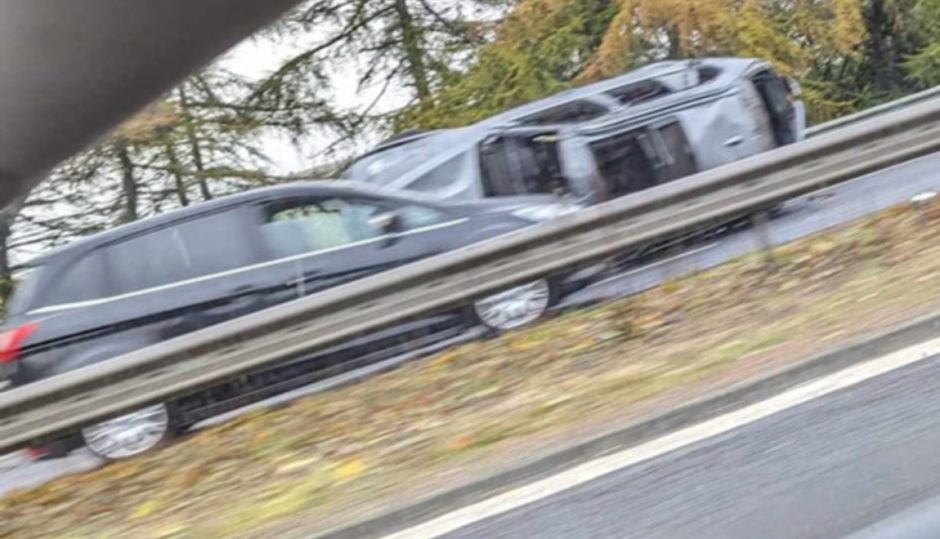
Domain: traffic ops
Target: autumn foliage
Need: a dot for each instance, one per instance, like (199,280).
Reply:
(542,46)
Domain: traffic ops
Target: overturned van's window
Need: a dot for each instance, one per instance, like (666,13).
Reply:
(707,73)
(521,164)
(442,176)
(573,112)
(381,167)
(638,92)
(187,250)
(675,151)
(623,162)
(642,158)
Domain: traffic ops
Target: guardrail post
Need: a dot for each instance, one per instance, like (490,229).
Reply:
(760,221)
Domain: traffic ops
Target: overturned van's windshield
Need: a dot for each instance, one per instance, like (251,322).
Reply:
(386,163)
(521,164)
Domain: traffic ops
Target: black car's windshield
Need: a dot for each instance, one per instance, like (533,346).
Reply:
(25,290)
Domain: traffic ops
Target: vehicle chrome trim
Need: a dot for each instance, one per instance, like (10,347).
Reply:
(137,293)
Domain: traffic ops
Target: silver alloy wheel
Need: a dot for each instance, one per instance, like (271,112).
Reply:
(128,435)
(515,307)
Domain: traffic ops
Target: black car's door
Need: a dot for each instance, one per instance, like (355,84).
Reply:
(333,240)
(197,273)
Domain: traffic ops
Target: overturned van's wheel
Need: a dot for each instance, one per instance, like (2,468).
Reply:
(131,434)
(516,306)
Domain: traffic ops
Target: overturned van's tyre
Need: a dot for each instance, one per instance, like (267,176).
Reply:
(515,307)
(131,434)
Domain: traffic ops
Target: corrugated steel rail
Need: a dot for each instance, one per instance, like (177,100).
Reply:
(872,112)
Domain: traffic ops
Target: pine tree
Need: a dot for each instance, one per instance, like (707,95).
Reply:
(197,142)
(543,46)
(413,45)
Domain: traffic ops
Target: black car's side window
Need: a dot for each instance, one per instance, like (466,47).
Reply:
(187,250)
(415,217)
(314,225)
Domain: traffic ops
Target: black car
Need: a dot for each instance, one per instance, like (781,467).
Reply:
(182,271)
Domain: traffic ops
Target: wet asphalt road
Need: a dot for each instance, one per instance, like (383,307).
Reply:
(802,216)
(865,456)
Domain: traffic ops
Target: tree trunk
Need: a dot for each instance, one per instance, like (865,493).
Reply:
(890,41)
(414,56)
(179,183)
(7,217)
(878,21)
(194,147)
(675,42)
(128,184)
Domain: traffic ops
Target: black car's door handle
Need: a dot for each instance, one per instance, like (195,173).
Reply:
(245,290)
(302,279)
(236,301)
(247,294)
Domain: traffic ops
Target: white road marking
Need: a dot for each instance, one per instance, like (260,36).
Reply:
(589,471)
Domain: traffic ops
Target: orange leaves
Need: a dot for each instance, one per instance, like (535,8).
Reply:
(349,469)
(787,33)
(142,126)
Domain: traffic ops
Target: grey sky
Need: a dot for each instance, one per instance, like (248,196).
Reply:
(259,57)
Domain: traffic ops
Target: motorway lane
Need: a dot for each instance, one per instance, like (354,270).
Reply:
(802,216)
(861,457)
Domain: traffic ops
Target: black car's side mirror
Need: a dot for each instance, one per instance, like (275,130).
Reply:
(387,222)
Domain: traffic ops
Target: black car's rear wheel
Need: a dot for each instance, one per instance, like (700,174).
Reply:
(130,434)
(515,307)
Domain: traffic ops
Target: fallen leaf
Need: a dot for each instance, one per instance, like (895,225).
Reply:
(145,509)
(350,469)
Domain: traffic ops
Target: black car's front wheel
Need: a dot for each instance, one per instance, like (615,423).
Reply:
(130,434)
(515,307)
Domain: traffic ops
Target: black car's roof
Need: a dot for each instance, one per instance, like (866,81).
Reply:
(307,188)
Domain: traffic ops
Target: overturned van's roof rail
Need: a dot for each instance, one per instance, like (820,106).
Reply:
(591,92)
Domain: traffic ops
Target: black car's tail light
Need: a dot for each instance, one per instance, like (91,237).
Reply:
(11,341)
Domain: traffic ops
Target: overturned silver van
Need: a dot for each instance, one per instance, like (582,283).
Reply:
(608,139)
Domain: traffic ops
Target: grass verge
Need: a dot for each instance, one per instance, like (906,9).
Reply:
(449,418)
